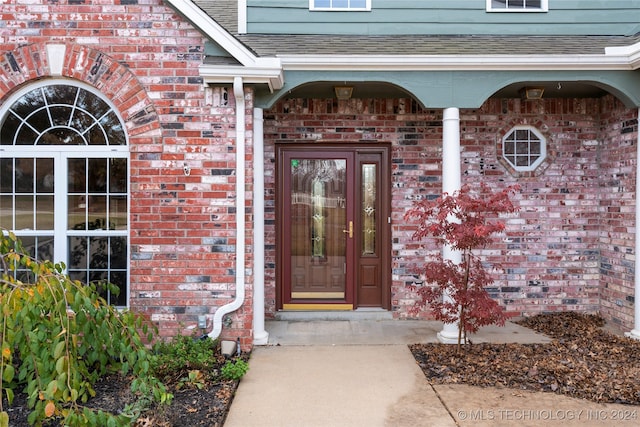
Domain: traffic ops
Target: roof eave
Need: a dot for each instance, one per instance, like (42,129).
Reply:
(631,53)
(217,74)
(608,61)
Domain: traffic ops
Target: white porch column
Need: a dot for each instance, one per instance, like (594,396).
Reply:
(260,336)
(451,182)
(635,333)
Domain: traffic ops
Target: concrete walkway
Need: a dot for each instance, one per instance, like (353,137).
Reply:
(357,372)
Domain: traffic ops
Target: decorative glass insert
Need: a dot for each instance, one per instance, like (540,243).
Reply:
(517,5)
(369,209)
(524,148)
(318,197)
(342,5)
(315,231)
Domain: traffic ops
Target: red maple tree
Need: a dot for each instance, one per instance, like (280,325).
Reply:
(464,221)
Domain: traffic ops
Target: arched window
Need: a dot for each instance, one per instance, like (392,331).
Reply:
(64,190)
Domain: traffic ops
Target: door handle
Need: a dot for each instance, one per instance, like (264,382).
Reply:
(350,230)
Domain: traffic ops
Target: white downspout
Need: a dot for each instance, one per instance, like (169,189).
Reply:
(238,91)
(260,336)
(635,333)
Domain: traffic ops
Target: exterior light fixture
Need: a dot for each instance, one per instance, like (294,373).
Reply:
(532,92)
(343,92)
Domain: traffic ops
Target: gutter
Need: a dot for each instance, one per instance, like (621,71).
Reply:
(238,91)
(625,59)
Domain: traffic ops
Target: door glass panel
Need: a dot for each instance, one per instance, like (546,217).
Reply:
(318,219)
(369,213)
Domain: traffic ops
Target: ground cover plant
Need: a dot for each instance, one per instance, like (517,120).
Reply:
(68,358)
(583,361)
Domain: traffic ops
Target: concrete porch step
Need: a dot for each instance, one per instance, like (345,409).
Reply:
(359,314)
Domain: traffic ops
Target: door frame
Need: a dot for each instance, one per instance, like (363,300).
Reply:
(385,220)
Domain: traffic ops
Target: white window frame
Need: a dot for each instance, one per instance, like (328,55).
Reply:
(541,156)
(61,154)
(312,7)
(544,7)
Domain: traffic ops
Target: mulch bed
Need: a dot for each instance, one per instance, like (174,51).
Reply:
(191,406)
(582,361)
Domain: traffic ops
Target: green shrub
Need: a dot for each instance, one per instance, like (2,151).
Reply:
(183,354)
(234,369)
(59,337)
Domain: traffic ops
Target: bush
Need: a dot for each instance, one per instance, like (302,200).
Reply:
(464,221)
(59,337)
(183,354)
(234,369)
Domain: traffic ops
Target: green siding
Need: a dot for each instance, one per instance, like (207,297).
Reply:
(463,89)
(565,17)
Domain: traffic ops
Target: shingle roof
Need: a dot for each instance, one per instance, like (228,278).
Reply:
(224,12)
(269,45)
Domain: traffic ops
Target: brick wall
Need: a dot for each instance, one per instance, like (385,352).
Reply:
(551,251)
(145,58)
(617,208)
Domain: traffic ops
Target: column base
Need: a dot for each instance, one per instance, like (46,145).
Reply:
(261,338)
(446,336)
(635,334)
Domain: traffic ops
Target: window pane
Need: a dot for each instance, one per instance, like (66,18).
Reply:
(24,175)
(97,175)
(77,254)
(6,212)
(97,206)
(9,129)
(114,130)
(118,175)
(522,147)
(77,171)
(28,103)
(24,213)
(119,279)
(118,213)
(118,250)
(535,147)
(6,175)
(44,175)
(96,136)
(322,3)
(44,212)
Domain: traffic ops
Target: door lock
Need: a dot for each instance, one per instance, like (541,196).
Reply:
(350,230)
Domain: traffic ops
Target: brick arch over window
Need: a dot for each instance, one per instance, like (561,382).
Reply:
(88,65)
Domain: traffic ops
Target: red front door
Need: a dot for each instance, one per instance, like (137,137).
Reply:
(333,227)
